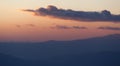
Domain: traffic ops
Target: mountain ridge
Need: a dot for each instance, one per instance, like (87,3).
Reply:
(98,51)
(110,36)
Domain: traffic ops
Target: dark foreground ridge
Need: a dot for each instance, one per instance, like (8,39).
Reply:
(99,51)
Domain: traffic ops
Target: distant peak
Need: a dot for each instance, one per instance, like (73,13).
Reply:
(113,36)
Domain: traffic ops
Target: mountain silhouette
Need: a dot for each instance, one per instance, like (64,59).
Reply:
(8,60)
(98,51)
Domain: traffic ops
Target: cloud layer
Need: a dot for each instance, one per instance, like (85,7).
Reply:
(68,27)
(109,28)
(69,14)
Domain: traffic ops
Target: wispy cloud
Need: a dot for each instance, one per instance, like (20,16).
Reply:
(30,25)
(109,28)
(68,27)
(30,10)
(69,14)
(18,26)
(78,27)
(26,25)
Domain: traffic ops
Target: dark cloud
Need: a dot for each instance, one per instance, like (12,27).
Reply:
(78,27)
(68,27)
(61,27)
(109,28)
(69,14)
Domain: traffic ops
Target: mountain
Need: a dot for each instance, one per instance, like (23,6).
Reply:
(8,60)
(98,51)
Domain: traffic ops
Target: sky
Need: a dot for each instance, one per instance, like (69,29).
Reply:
(43,20)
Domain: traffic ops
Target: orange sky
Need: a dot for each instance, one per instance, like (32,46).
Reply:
(16,25)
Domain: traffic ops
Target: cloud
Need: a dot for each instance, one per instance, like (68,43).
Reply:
(68,27)
(78,27)
(30,10)
(26,25)
(109,28)
(18,26)
(69,14)
(62,27)
(31,25)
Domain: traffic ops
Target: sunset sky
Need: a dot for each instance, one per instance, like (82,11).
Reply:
(21,20)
